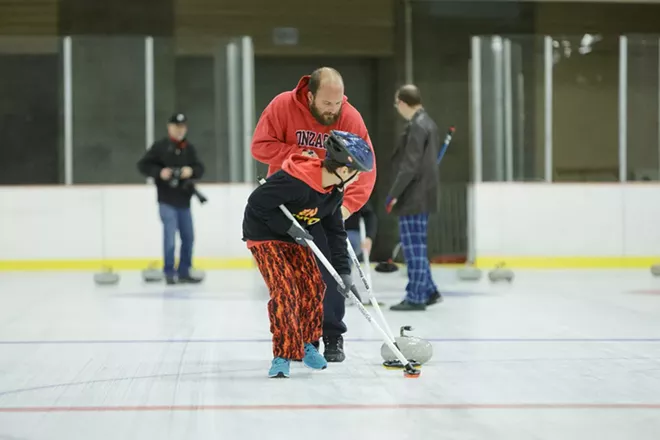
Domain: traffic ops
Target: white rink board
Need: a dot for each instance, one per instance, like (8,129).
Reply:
(567,220)
(521,220)
(44,223)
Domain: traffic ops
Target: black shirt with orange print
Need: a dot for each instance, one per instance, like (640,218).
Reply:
(298,187)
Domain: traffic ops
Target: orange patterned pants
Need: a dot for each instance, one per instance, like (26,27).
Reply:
(296,290)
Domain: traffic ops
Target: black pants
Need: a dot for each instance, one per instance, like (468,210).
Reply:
(334,306)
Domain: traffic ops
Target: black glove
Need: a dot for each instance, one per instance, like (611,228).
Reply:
(348,284)
(299,234)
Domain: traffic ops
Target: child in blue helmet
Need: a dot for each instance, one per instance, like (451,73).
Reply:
(312,190)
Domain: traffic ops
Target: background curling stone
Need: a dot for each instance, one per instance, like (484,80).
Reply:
(106,277)
(655,270)
(389,266)
(469,273)
(152,274)
(386,267)
(500,274)
(197,274)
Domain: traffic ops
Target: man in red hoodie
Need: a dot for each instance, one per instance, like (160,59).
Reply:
(312,190)
(300,121)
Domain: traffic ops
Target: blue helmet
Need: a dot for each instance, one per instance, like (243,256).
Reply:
(350,150)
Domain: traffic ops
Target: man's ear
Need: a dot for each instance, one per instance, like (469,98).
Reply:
(310,97)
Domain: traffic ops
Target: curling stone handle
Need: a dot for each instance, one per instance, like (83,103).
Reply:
(405,328)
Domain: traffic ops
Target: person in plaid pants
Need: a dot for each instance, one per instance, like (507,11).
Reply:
(414,195)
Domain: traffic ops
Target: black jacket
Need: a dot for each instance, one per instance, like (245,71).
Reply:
(414,161)
(370,220)
(264,221)
(167,153)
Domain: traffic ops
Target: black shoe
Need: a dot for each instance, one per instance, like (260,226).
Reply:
(333,348)
(405,306)
(434,298)
(170,280)
(189,280)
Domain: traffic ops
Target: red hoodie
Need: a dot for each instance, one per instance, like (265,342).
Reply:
(287,126)
(307,169)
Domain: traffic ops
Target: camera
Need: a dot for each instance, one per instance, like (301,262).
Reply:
(187,184)
(176,177)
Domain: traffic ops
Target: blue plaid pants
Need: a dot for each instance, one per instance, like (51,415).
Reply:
(412,229)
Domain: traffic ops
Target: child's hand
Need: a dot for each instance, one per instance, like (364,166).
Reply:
(348,284)
(299,234)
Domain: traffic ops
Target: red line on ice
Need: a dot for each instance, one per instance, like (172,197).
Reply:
(339,407)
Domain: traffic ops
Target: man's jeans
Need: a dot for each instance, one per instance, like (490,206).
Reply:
(177,219)
(354,238)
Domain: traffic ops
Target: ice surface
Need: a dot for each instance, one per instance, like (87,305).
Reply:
(555,355)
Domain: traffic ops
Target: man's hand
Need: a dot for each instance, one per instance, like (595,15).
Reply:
(310,153)
(186,172)
(389,204)
(366,245)
(345,213)
(166,173)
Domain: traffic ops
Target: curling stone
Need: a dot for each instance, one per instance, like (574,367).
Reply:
(389,266)
(469,273)
(500,273)
(386,267)
(418,351)
(106,277)
(655,270)
(152,274)
(197,274)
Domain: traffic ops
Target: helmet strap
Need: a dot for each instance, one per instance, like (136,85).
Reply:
(343,182)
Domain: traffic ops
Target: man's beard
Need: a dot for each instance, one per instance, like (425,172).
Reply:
(324,118)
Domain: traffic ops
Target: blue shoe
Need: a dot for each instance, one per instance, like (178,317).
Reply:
(313,358)
(279,368)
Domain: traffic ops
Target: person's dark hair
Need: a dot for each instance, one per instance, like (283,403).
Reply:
(410,95)
(316,77)
(332,165)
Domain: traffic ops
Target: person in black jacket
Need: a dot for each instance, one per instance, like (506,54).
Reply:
(414,195)
(173,163)
(312,190)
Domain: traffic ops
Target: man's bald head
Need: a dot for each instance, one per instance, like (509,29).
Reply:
(325,77)
(408,100)
(326,95)
(410,95)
